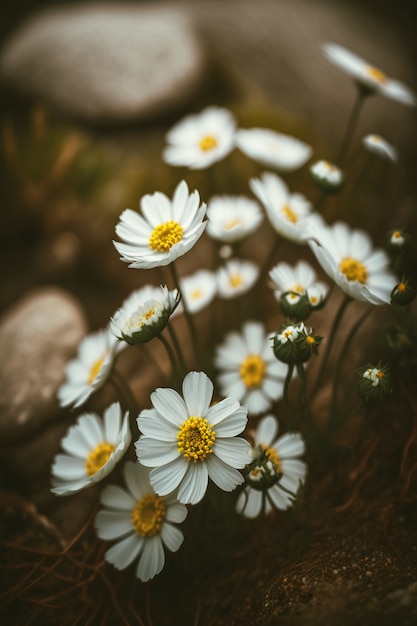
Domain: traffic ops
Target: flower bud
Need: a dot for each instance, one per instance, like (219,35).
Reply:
(397,240)
(295,306)
(327,176)
(262,473)
(403,293)
(294,344)
(375,383)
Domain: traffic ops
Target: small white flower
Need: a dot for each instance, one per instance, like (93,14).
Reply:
(201,139)
(198,290)
(290,214)
(348,258)
(271,148)
(86,373)
(232,218)
(397,238)
(368,76)
(300,279)
(373,374)
(187,441)
(236,277)
(142,522)
(264,491)
(248,369)
(327,175)
(290,333)
(93,448)
(380,147)
(144,314)
(166,230)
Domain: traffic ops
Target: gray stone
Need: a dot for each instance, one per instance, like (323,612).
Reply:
(37,337)
(106,63)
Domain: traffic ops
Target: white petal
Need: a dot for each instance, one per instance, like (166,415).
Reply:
(290,445)
(176,513)
(170,405)
(249,503)
(194,484)
(198,392)
(113,524)
(172,537)
(152,559)
(123,553)
(114,497)
(153,453)
(166,478)
(234,451)
(267,430)
(224,476)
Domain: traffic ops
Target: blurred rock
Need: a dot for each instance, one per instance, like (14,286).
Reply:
(106,63)
(38,336)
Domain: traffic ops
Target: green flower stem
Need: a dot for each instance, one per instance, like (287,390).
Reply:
(336,322)
(178,350)
(286,398)
(171,356)
(151,359)
(302,394)
(188,316)
(124,391)
(352,123)
(340,361)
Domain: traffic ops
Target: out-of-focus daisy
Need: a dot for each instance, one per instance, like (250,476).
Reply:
(370,78)
(327,176)
(236,277)
(375,382)
(232,218)
(349,259)
(271,148)
(380,147)
(142,522)
(187,441)
(92,366)
(201,139)
(275,473)
(298,280)
(198,290)
(248,370)
(166,230)
(93,446)
(290,214)
(144,314)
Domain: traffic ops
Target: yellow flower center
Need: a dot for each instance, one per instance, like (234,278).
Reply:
(95,370)
(354,270)
(148,515)
(196,294)
(196,439)
(310,340)
(98,457)
(297,289)
(232,223)
(397,234)
(235,280)
(402,287)
(290,214)
(376,74)
(272,455)
(165,235)
(252,371)
(208,143)
(380,374)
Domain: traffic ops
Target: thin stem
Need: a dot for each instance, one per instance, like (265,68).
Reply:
(302,394)
(266,265)
(123,390)
(171,355)
(340,360)
(177,347)
(285,395)
(332,335)
(353,120)
(188,316)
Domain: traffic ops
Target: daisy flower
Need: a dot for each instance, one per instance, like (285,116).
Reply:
(236,277)
(93,446)
(142,522)
(274,149)
(248,369)
(298,280)
(368,77)
(166,230)
(275,472)
(144,314)
(232,218)
(201,139)
(90,369)
(327,176)
(380,147)
(186,441)
(348,258)
(198,290)
(290,214)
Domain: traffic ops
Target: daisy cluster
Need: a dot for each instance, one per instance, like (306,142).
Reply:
(218,429)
